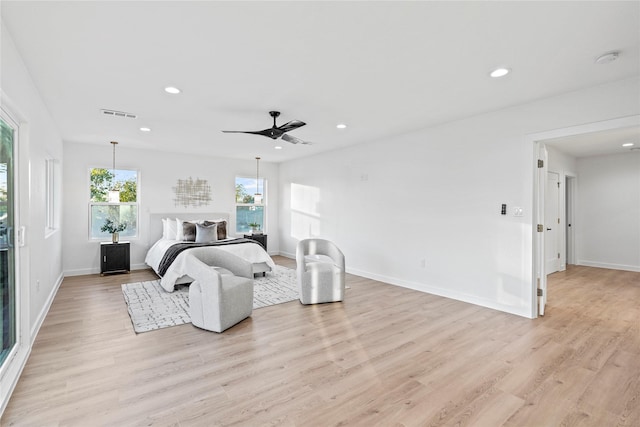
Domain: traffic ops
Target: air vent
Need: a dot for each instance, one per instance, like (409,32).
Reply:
(115,113)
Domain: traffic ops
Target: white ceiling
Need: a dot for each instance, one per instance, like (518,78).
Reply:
(383,68)
(598,143)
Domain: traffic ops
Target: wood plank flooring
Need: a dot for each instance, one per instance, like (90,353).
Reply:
(386,356)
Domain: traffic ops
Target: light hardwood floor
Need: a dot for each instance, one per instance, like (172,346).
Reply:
(387,356)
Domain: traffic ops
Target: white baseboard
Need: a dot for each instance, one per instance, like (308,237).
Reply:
(287,255)
(45,309)
(609,266)
(447,293)
(422,287)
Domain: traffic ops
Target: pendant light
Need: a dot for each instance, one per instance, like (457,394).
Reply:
(257,198)
(114,193)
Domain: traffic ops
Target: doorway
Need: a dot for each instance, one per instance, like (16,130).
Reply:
(539,250)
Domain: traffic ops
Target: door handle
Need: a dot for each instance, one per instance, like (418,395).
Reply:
(548,229)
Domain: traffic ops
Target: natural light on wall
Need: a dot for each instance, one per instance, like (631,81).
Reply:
(305,215)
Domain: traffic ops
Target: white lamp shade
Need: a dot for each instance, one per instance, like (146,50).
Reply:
(114,196)
(257,199)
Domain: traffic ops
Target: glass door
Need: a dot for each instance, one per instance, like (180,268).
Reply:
(7,247)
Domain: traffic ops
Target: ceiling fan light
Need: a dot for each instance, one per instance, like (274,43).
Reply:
(278,147)
(628,144)
(341,126)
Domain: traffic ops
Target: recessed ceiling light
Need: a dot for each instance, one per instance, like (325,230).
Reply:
(172,90)
(628,144)
(277,147)
(500,72)
(607,57)
(143,129)
(341,126)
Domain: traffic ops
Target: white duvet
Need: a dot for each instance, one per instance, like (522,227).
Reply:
(251,252)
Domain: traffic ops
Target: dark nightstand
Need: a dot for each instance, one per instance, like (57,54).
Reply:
(114,258)
(260,238)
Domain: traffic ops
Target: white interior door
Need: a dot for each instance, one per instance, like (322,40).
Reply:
(570,186)
(552,223)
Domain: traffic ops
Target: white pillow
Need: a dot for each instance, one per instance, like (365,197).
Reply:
(179,233)
(169,229)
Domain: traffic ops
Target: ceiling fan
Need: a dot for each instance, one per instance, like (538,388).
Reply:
(276,132)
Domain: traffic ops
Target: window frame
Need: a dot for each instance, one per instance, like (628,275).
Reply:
(263,184)
(51,196)
(92,204)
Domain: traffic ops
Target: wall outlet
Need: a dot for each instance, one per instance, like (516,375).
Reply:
(37,285)
(517,211)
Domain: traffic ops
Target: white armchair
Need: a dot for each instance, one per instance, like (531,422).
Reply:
(320,271)
(221,295)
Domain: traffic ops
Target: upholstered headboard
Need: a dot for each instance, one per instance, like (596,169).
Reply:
(155,221)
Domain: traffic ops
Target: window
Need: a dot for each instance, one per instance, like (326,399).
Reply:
(51,195)
(123,212)
(248,214)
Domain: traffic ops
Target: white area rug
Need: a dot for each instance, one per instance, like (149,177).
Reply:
(151,307)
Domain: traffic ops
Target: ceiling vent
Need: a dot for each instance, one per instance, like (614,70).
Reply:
(115,113)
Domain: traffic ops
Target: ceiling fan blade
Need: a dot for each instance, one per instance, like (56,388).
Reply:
(294,140)
(273,133)
(289,126)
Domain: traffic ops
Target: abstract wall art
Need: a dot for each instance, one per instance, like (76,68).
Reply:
(190,192)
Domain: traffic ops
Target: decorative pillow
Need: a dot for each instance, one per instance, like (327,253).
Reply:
(222,227)
(179,228)
(206,233)
(188,231)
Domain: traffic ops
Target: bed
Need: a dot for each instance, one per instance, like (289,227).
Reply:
(163,247)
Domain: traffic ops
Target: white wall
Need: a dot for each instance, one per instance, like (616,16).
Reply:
(608,211)
(434,196)
(158,174)
(41,257)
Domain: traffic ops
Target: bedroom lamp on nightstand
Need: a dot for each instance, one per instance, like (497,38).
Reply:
(114,193)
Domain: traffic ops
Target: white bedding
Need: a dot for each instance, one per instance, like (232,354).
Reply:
(251,252)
